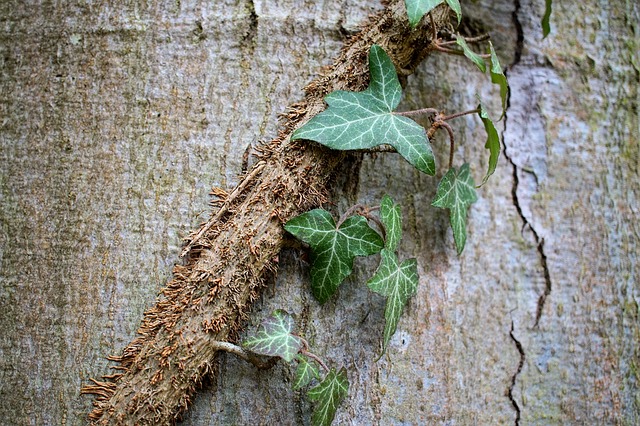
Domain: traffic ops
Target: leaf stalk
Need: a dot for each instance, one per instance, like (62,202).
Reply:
(452,143)
(460,114)
(316,358)
(477,39)
(245,355)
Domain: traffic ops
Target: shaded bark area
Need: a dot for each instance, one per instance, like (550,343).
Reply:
(117,120)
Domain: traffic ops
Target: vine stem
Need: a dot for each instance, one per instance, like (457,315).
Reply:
(451,142)
(257,169)
(350,212)
(311,355)
(448,51)
(439,48)
(245,355)
(304,341)
(417,112)
(439,117)
(477,39)
(440,120)
(460,114)
(380,225)
(365,212)
(316,358)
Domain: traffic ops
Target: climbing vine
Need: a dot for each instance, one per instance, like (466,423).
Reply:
(229,258)
(368,120)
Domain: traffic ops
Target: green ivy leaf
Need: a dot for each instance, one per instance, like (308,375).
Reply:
(333,249)
(416,9)
(493,142)
(391,217)
(457,192)
(455,5)
(396,281)
(274,337)
(362,120)
(475,58)
(328,395)
(305,372)
(498,77)
(546,27)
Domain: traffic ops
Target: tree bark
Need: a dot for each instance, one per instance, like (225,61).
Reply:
(229,257)
(117,120)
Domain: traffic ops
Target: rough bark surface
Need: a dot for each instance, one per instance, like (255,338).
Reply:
(117,119)
(231,255)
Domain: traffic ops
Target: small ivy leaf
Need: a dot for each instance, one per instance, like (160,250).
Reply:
(455,6)
(328,395)
(391,217)
(398,282)
(498,77)
(362,120)
(493,142)
(305,372)
(457,192)
(475,58)
(333,249)
(274,337)
(416,9)
(546,27)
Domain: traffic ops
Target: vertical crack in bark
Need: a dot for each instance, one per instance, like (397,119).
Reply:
(514,194)
(547,278)
(538,240)
(516,407)
(519,33)
(252,31)
(514,191)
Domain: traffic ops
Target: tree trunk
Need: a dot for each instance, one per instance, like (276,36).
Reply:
(118,119)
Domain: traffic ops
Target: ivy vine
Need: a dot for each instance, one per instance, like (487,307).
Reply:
(368,120)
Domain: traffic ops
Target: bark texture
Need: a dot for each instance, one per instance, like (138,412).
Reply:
(117,119)
(231,255)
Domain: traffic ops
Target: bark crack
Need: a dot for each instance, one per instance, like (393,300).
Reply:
(516,407)
(547,278)
(526,224)
(514,194)
(251,35)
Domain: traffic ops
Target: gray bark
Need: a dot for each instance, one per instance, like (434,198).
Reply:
(118,119)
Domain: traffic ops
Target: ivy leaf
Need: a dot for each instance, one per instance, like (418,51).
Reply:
(391,218)
(475,58)
(362,120)
(398,283)
(455,6)
(416,9)
(498,77)
(274,337)
(493,142)
(333,249)
(546,28)
(305,372)
(457,192)
(328,395)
